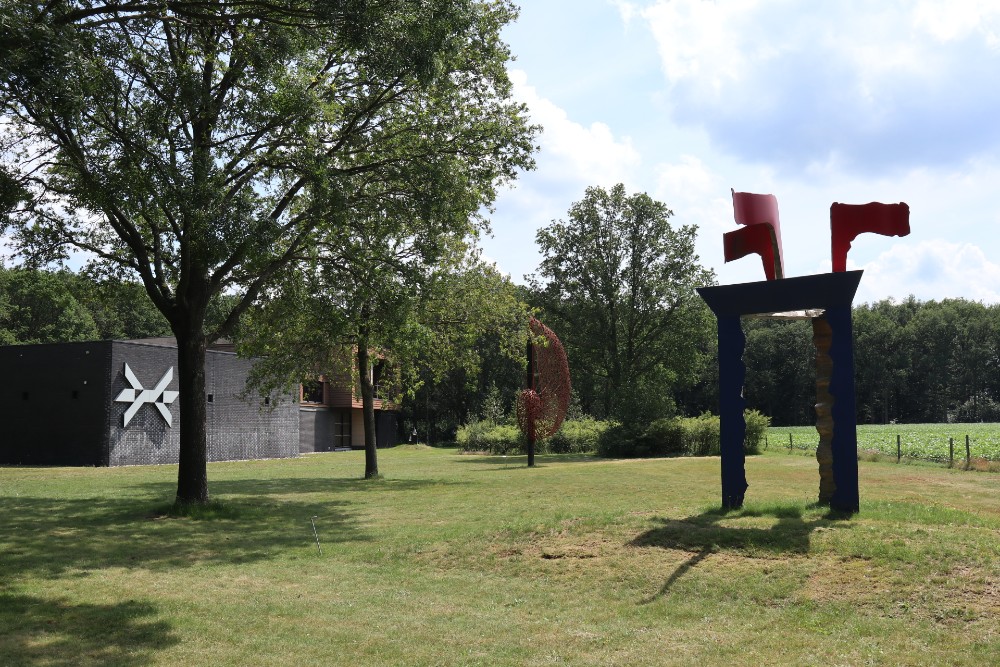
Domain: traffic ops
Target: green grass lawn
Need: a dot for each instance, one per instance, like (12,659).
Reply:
(474,560)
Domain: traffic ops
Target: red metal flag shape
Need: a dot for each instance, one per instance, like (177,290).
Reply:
(849,220)
(761,234)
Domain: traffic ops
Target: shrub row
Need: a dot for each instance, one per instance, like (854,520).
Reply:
(674,436)
(680,436)
(575,436)
(487,436)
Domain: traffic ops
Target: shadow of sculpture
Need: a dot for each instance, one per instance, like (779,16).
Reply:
(719,530)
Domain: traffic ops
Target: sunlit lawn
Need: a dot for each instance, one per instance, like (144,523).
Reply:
(470,560)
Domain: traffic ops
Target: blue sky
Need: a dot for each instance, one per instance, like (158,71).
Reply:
(813,102)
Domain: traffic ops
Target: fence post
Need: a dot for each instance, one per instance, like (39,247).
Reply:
(789,442)
(951,452)
(968,453)
(899,450)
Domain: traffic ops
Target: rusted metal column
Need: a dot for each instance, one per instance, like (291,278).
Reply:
(822,339)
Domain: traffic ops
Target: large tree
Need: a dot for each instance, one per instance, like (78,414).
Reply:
(617,283)
(419,305)
(197,144)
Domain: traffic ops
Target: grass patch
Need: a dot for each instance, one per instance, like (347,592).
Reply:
(478,560)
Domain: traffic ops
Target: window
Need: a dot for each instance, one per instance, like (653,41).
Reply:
(378,378)
(341,428)
(312,391)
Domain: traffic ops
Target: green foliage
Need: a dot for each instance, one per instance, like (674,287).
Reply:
(781,369)
(493,408)
(201,148)
(756,431)
(465,339)
(487,436)
(665,437)
(618,441)
(702,434)
(680,436)
(37,307)
(577,436)
(121,308)
(915,362)
(976,409)
(616,284)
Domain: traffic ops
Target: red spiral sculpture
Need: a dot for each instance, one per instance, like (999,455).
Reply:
(541,407)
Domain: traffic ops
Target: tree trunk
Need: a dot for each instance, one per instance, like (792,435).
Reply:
(192,471)
(532,383)
(368,407)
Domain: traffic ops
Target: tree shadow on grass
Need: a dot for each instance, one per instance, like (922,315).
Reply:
(719,530)
(40,631)
(251,520)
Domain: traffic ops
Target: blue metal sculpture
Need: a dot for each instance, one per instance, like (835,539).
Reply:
(824,299)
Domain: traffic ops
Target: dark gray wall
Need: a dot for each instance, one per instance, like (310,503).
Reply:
(238,429)
(57,407)
(314,430)
(386,428)
(246,429)
(54,403)
(147,439)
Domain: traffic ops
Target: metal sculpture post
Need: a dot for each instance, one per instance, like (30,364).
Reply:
(542,405)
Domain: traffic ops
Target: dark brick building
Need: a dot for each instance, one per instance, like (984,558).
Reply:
(332,416)
(78,404)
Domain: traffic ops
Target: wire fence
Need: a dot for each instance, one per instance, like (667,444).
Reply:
(947,444)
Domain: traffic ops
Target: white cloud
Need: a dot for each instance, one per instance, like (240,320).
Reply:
(688,179)
(869,86)
(628,10)
(591,155)
(573,156)
(957,19)
(931,269)
(701,40)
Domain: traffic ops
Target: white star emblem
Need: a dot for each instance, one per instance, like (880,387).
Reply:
(158,395)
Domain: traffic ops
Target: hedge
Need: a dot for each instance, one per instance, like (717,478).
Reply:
(674,436)
(574,437)
(680,436)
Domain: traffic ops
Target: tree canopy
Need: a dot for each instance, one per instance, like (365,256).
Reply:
(38,307)
(617,283)
(198,145)
(421,313)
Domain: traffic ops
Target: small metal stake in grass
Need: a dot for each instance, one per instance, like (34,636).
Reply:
(968,454)
(316,535)
(899,450)
(951,452)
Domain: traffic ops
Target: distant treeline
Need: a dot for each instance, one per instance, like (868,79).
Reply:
(915,362)
(39,306)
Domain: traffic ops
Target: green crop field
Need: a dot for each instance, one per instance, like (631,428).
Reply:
(919,441)
(477,560)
